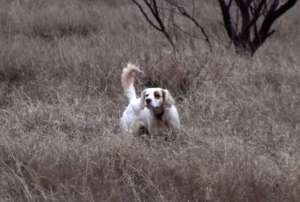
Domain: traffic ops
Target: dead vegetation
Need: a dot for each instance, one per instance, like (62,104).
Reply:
(61,99)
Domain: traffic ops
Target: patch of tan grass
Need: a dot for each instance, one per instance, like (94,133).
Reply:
(61,99)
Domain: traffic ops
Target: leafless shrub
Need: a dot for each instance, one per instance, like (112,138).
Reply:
(247,30)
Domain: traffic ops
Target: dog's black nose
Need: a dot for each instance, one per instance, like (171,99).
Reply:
(148,100)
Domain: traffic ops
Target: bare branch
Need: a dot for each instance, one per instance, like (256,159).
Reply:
(155,13)
(187,33)
(154,10)
(146,16)
(272,15)
(244,9)
(229,4)
(185,14)
(235,24)
(274,5)
(271,33)
(227,18)
(248,2)
(255,17)
(285,7)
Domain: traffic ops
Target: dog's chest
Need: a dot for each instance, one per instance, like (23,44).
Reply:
(159,126)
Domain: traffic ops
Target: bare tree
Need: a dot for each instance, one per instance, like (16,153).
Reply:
(256,18)
(248,30)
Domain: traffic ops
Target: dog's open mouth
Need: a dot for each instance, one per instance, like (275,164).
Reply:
(149,106)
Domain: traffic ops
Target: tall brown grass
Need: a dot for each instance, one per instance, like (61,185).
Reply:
(61,99)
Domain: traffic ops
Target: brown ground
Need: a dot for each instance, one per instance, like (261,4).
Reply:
(61,98)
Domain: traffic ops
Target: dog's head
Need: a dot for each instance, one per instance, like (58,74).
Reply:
(154,98)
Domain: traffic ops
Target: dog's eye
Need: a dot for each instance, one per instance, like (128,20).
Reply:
(146,95)
(157,95)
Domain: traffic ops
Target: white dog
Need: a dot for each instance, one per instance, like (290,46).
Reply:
(153,114)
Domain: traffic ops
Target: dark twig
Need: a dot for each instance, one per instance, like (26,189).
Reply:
(154,10)
(270,18)
(187,15)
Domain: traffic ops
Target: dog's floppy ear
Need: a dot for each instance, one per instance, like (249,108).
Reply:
(168,99)
(142,103)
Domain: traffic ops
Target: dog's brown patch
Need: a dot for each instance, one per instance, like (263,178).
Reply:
(157,95)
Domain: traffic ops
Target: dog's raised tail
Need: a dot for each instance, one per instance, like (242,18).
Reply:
(127,78)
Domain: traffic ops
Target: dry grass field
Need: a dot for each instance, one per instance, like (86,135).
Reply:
(61,99)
